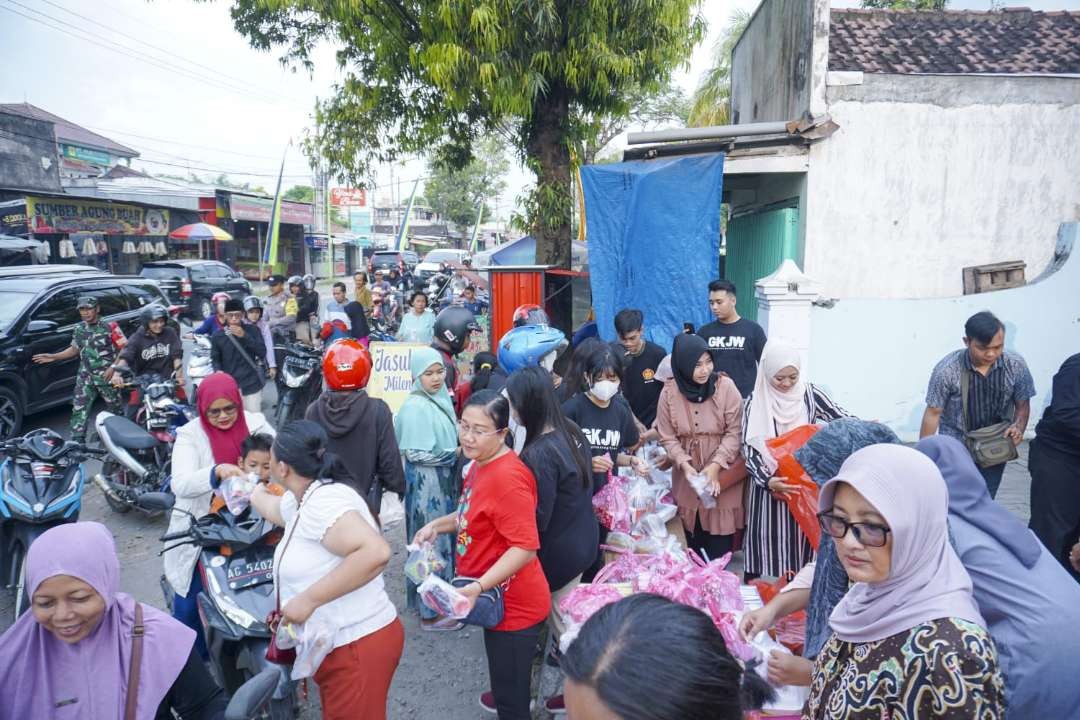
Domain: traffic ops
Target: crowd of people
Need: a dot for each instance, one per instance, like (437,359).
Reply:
(924,597)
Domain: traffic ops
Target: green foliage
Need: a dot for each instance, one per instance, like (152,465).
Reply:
(711,103)
(300,193)
(456,194)
(905,4)
(432,76)
(648,109)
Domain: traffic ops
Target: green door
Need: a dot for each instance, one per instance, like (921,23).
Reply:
(756,245)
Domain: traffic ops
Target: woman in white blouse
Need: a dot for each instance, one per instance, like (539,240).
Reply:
(329,567)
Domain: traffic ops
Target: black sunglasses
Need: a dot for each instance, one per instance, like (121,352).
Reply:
(868,534)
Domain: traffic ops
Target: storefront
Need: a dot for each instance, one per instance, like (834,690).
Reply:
(117,237)
(247,219)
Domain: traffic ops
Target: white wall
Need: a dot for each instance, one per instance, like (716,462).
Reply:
(929,174)
(875,355)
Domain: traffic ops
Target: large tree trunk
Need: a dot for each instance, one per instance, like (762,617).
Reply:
(546,147)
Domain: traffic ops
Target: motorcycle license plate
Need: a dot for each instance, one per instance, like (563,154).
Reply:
(248,570)
(302,363)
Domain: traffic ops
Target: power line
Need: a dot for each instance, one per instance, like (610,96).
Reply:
(172,55)
(129,52)
(177,142)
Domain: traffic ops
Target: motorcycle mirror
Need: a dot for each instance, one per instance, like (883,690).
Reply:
(250,697)
(156,501)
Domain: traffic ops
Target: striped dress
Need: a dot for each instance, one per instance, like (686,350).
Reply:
(774,544)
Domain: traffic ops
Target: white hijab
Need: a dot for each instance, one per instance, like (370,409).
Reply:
(773,412)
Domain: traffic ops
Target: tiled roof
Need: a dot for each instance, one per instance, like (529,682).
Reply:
(1014,40)
(69,132)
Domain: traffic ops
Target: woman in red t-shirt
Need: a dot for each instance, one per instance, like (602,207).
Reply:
(497,542)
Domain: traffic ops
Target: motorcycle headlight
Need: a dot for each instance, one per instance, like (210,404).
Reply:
(234,612)
(72,489)
(294,380)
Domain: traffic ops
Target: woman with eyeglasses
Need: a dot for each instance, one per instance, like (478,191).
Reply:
(205,453)
(426,431)
(907,639)
(497,540)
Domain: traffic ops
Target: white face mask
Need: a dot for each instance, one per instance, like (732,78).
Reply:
(517,430)
(604,390)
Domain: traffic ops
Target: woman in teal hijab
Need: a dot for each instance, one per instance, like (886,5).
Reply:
(426,430)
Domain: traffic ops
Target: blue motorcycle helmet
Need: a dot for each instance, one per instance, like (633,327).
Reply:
(528,345)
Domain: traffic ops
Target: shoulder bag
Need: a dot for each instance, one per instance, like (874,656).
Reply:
(987,445)
(131,703)
(259,368)
(275,654)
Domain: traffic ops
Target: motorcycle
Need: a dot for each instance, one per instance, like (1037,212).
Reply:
(199,364)
(41,485)
(140,452)
(236,563)
(299,381)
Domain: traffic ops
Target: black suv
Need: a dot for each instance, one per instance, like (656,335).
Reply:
(37,315)
(387,260)
(191,283)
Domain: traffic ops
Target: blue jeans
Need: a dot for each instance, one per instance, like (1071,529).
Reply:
(993,475)
(185,608)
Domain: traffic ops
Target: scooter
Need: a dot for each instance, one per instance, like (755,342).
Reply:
(137,461)
(41,485)
(236,563)
(199,364)
(299,381)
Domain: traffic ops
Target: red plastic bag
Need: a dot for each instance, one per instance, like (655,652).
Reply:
(790,630)
(803,502)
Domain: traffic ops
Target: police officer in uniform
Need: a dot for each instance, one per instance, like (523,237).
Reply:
(92,342)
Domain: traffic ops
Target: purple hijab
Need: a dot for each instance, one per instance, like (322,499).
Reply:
(41,670)
(926,579)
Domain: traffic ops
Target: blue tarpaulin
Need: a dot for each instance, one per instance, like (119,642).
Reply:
(653,230)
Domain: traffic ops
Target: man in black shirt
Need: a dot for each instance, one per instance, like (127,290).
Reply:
(153,348)
(640,359)
(735,342)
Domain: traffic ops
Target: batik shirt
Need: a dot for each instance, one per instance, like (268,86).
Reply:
(944,668)
(95,345)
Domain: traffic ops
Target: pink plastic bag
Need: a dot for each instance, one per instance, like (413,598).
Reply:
(612,506)
(583,601)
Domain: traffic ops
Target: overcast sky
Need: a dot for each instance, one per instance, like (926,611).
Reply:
(173,80)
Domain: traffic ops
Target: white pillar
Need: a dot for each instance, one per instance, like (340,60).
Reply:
(785,299)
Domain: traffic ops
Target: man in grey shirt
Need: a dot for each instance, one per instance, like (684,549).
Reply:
(1000,389)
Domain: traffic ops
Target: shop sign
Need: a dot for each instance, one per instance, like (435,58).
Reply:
(257,209)
(97,157)
(391,379)
(315,242)
(348,197)
(59,215)
(13,218)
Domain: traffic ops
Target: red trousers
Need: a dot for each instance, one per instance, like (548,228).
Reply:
(354,679)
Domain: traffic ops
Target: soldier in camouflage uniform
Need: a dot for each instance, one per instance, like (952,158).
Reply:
(92,342)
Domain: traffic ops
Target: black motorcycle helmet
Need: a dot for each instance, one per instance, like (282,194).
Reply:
(452,328)
(151,313)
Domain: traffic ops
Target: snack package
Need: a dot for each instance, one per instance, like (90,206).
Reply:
(424,559)
(443,598)
(288,635)
(236,491)
(612,506)
(700,483)
(583,601)
(316,642)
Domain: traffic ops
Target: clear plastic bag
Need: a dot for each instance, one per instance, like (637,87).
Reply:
(287,636)
(424,559)
(236,491)
(700,483)
(443,598)
(316,640)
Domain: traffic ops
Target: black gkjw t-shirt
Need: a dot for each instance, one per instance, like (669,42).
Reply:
(736,349)
(640,386)
(608,430)
(146,353)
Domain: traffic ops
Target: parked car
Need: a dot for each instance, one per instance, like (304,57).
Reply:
(191,283)
(37,315)
(434,260)
(389,259)
(42,270)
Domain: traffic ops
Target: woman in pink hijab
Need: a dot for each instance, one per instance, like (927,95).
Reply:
(70,656)
(908,640)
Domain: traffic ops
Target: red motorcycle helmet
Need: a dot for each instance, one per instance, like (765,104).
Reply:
(530,315)
(347,365)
